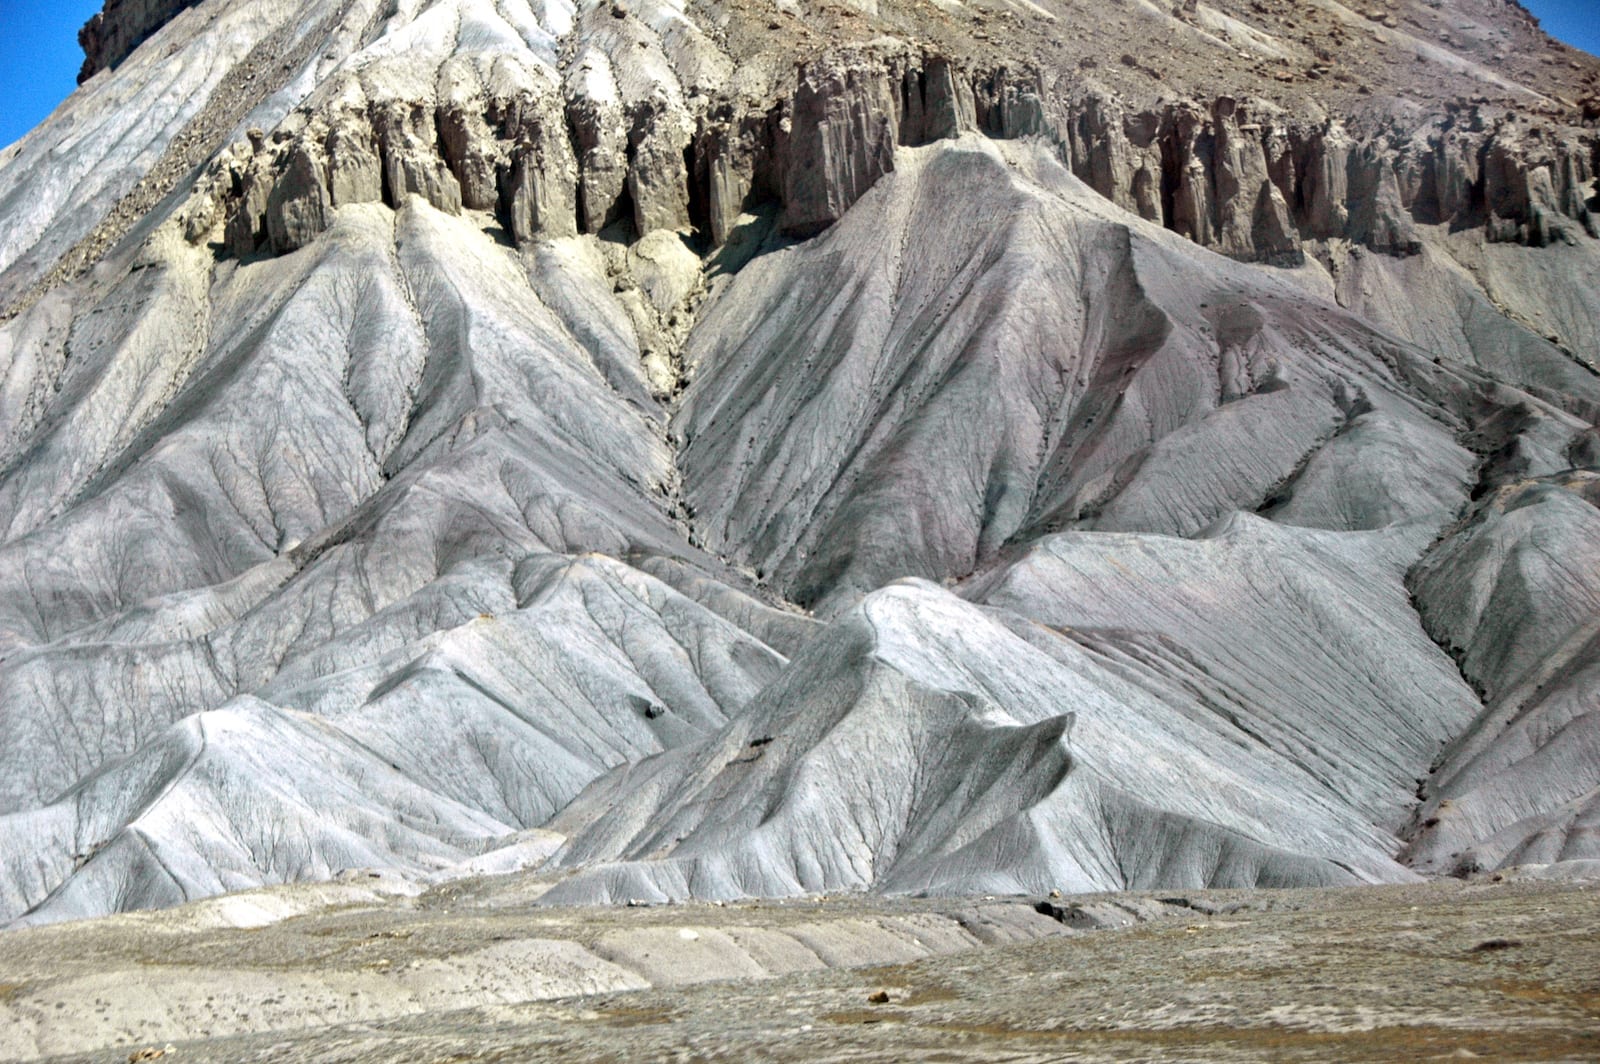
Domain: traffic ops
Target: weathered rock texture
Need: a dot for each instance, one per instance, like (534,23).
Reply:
(1241,177)
(365,968)
(110,35)
(709,454)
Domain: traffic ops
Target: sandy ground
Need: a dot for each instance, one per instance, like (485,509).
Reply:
(350,972)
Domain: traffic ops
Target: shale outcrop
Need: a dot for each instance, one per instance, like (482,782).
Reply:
(553,159)
(713,450)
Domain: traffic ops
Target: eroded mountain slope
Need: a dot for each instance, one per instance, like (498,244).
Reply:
(433,422)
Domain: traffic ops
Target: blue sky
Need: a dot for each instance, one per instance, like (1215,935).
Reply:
(1575,21)
(39,59)
(39,55)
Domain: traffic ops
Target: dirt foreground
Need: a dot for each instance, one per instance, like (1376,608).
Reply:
(359,971)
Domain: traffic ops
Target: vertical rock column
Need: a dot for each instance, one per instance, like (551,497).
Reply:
(1189,155)
(936,102)
(355,170)
(412,161)
(842,140)
(1118,154)
(539,184)
(658,180)
(1324,183)
(472,151)
(505,138)
(735,152)
(599,139)
(1241,174)
(299,206)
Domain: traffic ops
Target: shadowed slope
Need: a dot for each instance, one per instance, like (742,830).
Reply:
(1250,708)
(983,351)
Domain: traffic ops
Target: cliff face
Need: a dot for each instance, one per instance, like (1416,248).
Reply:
(1241,177)
(111,34)
(975,447)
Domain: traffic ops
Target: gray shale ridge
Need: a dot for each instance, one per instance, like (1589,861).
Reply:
(462,461)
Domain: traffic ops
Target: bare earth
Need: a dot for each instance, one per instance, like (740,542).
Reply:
(1502,970)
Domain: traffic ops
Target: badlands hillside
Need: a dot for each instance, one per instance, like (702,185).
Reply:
(737,449)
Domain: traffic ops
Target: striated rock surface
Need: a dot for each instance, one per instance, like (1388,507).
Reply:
(702,452)
(1240,176)
(1513,593)
(998,753)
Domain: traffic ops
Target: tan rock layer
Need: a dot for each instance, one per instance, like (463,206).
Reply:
(113,33)
(1233,175)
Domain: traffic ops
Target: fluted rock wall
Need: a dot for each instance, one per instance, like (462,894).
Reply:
(506,151)
(1241,178)
(1238,176)
(557,160)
